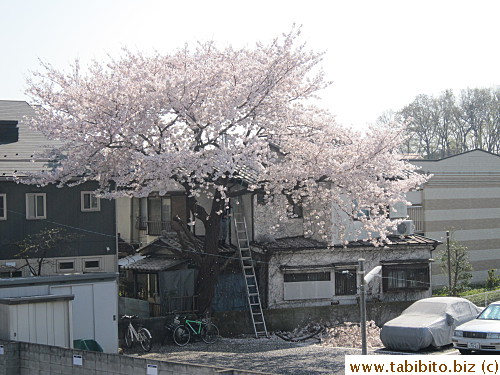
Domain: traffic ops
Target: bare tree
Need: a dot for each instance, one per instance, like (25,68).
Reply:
(459,269)
(35,248)
(448,125)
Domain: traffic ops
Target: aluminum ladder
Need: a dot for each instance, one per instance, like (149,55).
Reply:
(253,297)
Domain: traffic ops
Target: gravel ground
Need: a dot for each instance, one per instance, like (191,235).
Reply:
(272,355)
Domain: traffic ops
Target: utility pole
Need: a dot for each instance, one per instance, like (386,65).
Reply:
(362,304)
(449,261)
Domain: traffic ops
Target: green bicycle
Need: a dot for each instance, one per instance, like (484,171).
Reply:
(184,328)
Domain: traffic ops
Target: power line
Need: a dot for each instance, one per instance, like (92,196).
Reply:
(226,257)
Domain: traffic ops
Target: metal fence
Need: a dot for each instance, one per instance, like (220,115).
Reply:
(484,299)
(179,305)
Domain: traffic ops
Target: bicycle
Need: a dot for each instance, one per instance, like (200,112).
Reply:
(182,328)
(142,335)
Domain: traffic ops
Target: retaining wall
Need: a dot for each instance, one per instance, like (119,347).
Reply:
(21,358)
(238,322)
(231,323)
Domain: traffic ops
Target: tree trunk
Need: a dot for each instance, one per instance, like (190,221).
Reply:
(209,268)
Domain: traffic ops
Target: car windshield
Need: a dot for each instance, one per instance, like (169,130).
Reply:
(430,308)
(492,312)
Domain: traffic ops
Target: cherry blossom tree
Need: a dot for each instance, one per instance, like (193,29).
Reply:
(202,117)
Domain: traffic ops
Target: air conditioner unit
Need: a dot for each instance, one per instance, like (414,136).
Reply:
(406,227)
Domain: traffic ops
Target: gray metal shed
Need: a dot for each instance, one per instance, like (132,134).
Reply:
(76,306)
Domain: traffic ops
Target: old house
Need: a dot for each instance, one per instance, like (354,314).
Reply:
(292,270)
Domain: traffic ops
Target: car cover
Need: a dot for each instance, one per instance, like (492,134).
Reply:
(427,322)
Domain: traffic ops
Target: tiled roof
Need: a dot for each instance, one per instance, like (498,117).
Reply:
(171,242)
(153,264)
(302,243)
(294,243)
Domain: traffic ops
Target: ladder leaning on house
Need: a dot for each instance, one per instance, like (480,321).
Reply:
(253,297)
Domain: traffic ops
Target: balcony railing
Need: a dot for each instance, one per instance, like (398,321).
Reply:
(153,228)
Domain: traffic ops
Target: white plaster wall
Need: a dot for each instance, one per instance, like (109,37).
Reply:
(372,257)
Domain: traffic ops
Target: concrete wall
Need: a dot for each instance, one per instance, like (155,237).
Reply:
(26,358)
(238,322)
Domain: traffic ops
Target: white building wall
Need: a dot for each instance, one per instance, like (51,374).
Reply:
(307,259)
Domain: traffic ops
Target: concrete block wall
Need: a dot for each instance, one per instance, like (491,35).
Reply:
(10,359)
(22,358)
(238,322)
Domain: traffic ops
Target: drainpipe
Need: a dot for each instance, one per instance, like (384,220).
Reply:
(449,260)
(116,238)
(362,304)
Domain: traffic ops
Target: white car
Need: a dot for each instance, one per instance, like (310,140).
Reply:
(482,333)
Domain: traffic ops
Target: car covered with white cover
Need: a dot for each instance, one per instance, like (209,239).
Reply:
(427,322)
(480,334)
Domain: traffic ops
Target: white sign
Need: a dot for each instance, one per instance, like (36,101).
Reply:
(77,360)
(152,370)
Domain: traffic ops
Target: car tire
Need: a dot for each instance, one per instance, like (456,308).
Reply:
(464,351)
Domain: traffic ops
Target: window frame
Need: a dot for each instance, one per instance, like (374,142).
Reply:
(409,279)
(307,276)
(359,213)
(91,269)
(97,208)
(3,206)
(63,270)
(35,196)
(341,289)
(307,284)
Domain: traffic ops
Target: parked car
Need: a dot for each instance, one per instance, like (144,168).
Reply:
(427,322)
(482,333)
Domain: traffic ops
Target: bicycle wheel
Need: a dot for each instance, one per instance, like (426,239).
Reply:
(145,339)
(209,333)
(181,335)
(129,338)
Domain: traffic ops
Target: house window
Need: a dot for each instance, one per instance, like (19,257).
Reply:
(65,265)
(345,282)
(406,276)
(156,215)
(307,285)
(36,206)
(9,274)
(311,276)
(91,264)
(416,213)
(261,199)
(297,210)
(3,207)
(90,202)
(359,212)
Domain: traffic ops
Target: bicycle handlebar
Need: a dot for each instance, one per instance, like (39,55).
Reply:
(129,317)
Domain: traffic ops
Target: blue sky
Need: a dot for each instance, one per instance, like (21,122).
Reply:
(380,54)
